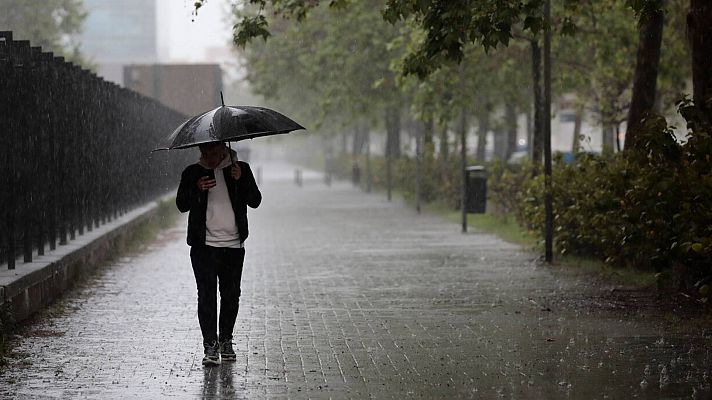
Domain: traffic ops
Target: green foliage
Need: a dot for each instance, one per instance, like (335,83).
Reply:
(508,188)
(249,28)
(52,24)
(440,180)
(598,62)
(650,210)
(451,25)
(643,7)
(332,69)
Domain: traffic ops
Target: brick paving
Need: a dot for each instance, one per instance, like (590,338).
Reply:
(346,295)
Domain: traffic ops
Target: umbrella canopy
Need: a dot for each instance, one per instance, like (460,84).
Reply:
(230,124)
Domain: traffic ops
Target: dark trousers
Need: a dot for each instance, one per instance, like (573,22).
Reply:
(210,266)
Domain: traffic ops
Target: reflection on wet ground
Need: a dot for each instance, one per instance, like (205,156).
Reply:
(348,296)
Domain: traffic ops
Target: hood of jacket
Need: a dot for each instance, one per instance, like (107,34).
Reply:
(224,163)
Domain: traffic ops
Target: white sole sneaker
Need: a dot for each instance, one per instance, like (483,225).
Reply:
(211,361)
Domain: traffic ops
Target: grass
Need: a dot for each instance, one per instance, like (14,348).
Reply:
(165,217)
(619,275)
(508,230)
(505,229)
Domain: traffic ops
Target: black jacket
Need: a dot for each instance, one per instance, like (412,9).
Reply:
(243,192)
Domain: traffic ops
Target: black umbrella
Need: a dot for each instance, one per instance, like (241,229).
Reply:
(230,124)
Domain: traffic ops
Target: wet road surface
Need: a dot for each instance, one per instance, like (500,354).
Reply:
(345,295)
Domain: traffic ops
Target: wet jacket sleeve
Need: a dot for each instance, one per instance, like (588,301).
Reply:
(253,197)
(188,194)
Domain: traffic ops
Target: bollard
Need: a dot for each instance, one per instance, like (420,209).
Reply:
(259,175)
(298,177)
(327,171)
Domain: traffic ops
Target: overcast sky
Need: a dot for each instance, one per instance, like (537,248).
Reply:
(183,37)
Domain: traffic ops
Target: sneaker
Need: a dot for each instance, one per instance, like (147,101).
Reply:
(226,351)
(212,357)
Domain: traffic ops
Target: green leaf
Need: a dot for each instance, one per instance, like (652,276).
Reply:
(568,27)
(249,28)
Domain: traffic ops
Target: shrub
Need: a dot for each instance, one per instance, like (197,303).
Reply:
(649,208)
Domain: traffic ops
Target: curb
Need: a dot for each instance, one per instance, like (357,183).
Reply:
(34,285)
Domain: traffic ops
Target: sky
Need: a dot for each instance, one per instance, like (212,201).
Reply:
(183,37)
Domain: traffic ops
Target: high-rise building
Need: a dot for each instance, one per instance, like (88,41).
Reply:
(119,32)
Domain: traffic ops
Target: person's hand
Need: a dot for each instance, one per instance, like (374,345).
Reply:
(205,183)
(235,171)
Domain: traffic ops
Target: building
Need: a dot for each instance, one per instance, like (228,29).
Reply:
(189,88)
(119,32)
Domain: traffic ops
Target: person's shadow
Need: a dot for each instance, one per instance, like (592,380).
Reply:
(218,381)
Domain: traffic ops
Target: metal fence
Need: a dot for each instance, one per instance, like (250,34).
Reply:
(74,150)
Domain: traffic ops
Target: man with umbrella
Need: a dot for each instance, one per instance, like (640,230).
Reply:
(216,192)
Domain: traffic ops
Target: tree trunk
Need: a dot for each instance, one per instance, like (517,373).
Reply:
(444,145)
(428,132)
(699,29)
(368,157)
(393,131)
(359,140)
(511,115)
(578,121)
(650,34)
(500,142)
(530,133)
(607,140)
(484,125)
(537,137)
(418,166)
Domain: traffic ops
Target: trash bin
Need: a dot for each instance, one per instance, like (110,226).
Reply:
(476,189)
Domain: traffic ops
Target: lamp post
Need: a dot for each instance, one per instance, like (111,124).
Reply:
(548,212)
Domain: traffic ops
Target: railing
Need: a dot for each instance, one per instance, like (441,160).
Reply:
(74,150)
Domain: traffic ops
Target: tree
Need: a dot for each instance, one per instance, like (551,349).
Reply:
(52,24)
(595,63)
(342,59)
(650,28)
(451,25)
(699,23)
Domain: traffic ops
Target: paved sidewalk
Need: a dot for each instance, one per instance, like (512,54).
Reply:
(348,296)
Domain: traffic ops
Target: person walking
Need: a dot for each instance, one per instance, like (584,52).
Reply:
(216,192)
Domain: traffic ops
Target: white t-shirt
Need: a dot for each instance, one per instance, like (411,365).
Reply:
(220,227)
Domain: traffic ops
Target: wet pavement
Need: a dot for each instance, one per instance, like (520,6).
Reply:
(346,295)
